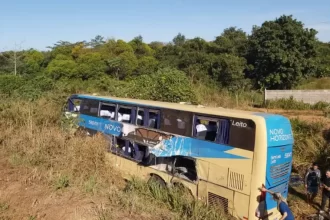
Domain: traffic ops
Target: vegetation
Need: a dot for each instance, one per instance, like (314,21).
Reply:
(279,54)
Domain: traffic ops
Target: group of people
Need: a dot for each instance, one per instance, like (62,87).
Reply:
(314,182)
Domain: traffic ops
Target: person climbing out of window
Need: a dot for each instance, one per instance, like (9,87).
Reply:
(312,182)
(201,130)
(282,205)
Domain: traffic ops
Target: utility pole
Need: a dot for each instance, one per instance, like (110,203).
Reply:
(15,60)
(15,57)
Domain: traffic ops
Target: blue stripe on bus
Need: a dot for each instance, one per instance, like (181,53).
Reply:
(183,146)
(186,146)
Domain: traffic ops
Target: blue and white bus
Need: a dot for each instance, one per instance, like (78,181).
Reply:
(221,155)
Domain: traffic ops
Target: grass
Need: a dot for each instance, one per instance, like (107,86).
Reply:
(310,145)
(322,83)
(3,206)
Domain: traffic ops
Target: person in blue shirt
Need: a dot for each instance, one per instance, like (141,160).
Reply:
(312,182)
(282,205)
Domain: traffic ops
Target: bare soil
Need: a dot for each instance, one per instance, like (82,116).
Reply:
(23,195)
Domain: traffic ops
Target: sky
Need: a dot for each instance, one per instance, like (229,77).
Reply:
(41,23)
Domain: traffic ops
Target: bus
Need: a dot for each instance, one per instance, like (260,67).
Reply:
(222,156)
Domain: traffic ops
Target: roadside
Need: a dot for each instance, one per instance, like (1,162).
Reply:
(24,195)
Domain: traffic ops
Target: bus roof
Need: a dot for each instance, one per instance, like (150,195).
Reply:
(182,107)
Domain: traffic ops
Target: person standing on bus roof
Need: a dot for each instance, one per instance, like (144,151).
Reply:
(312,182)
(326,190)
(282,205)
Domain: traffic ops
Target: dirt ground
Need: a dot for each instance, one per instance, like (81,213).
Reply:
(22,196)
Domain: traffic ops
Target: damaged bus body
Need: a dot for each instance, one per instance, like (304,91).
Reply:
(222,156)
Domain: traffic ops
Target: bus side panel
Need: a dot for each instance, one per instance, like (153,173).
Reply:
(242,202)
(101,125)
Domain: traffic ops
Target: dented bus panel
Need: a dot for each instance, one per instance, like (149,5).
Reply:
(222,156)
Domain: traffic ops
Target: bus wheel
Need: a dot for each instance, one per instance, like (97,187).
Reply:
(155,179)
(183,190)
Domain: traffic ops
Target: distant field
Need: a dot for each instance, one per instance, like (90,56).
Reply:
(322,83)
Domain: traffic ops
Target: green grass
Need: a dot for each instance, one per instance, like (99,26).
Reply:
(3,206)
(61,182)
(312,83)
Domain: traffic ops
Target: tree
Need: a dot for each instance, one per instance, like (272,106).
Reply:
(282,52)
(97,41)
(146,65)
(33,60)
(62,67)
(90,65)
(232,41)
(229,71)
(323,59)
(179,40)
(123,65)
(166,84)
(140,48)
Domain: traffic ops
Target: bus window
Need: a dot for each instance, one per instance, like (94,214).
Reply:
(89,107)
(126,114)
(185,168)
(74,105)
(108,111)
(148,118)
(140,117)
(212,129)
(176,122)
(153,119)
(206,128)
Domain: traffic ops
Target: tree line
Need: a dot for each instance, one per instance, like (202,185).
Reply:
(276,55)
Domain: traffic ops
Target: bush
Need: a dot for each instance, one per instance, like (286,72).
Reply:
(169,85)
(9,83)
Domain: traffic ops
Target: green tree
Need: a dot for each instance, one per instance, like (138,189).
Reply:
(232,41)
(146,65)
(62,67)
(229,71)
(140,48)
(97,42)
(90,65)
(33,60)
(179,39)
(282,52)
(323,59)
(166,84)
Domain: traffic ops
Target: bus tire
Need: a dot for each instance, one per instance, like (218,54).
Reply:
(154,178)
(185,190)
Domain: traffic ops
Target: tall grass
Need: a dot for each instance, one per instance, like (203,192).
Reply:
(321,83)
(310,144)
(292,104)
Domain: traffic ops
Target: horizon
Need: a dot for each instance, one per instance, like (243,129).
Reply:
(38,24)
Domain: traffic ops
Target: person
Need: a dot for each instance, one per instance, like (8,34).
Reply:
(201,130)
(326,190)
(312,182)
(282,205)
